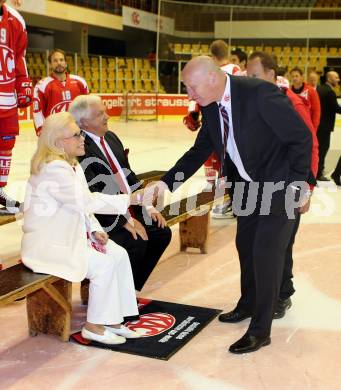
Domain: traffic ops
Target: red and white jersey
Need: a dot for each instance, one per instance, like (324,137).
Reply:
(13,42)
(231,69)
(282,82)
(52,96)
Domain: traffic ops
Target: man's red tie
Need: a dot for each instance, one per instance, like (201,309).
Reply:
(119,180)
(225,116)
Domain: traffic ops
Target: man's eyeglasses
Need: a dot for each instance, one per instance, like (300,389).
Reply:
(77,135)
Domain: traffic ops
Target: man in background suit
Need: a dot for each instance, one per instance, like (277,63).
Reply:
(329,108)
(141,232)
(253,127)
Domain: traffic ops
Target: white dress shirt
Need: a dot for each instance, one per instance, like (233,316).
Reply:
(97,141)
(232,149)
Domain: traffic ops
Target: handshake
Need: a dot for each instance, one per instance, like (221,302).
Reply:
(151,195)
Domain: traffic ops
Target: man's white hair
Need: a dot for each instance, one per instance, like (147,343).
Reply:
(81,106)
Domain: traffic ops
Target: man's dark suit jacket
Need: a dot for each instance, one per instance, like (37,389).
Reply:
(100,178)
(273,141)
(329,108)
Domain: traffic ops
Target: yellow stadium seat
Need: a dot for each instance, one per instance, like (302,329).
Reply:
(204,49)
(277,50)
(130,63)
(195,48)
(121,62)
(186,48)
(177,48)
(333,51)
(139,62)
(139,87)
(129,86)
(144,74)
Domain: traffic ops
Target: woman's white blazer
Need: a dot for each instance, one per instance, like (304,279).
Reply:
(58,212)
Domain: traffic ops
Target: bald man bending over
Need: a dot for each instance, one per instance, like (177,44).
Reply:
(329,108)
(254,129)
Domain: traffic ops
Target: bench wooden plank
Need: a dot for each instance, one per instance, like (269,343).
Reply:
(8,218)
(19,281)
(147,177)
(48,299)
(193,216)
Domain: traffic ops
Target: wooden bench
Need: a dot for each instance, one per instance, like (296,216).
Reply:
(49,298)
(193,216)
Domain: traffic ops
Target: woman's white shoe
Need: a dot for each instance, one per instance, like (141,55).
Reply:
(105,338)
(124,331)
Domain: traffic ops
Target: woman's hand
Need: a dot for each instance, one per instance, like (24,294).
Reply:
(149,195)
(101,237)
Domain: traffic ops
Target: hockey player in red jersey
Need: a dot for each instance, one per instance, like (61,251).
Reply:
(55,92)
(219,52)
(308,92)
(15,90)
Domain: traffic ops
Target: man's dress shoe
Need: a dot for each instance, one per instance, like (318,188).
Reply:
(249,343)
(233,316)
(282,306)
(336,178)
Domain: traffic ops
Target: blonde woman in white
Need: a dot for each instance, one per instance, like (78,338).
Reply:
(63,238)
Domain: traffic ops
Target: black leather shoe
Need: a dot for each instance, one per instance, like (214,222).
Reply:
(336,178)
(282,306)
(249,343)
(235,315)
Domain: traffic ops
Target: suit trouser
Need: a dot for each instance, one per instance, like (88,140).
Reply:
(111,291)
(323,137)
(337,170)
(143,255)
(262,241)
(287,286)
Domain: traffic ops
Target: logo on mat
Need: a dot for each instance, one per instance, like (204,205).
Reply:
(152,324)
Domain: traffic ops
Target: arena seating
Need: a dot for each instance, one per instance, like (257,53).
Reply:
(286,55)
(103,74)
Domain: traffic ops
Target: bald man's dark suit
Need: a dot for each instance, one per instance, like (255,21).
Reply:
(274,145)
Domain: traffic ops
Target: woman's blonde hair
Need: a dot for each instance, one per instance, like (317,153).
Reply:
(54,129)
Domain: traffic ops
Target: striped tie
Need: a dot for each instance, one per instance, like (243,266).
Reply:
(226,133)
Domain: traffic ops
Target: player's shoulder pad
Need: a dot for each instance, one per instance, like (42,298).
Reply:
(17,16)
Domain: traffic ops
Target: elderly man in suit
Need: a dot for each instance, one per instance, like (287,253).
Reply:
(329,108)
(142,231)
(254,128)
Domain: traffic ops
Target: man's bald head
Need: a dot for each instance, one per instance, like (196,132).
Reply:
(204,80)
(202,64)
(333,78)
